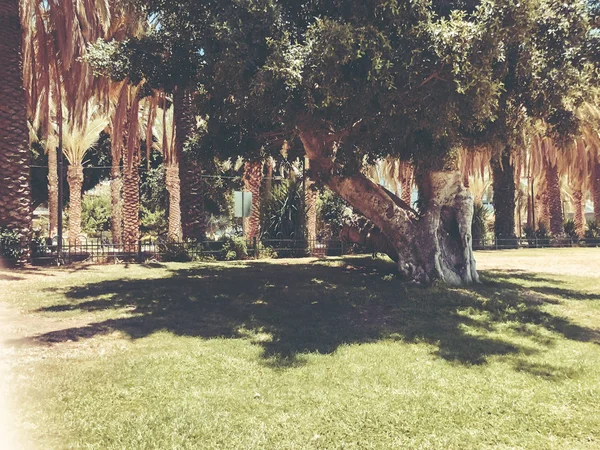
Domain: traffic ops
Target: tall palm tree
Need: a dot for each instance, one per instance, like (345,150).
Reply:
(77,140)
(164,131)
(311,197)
(577,171)
(15,191)
(252,181)
(131,176)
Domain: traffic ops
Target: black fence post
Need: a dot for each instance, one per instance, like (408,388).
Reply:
(139,250)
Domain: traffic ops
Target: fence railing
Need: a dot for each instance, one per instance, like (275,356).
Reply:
(97,250)
(534,242)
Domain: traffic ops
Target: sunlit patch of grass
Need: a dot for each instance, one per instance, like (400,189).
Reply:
(313,353)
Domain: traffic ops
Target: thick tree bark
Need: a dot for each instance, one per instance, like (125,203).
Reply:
(75,179)
(193,217)
(554,200)
(173,187)
(579,218)
(503,174)
(252,182)
(53,190)
(116,205)
(131,202)
(436,245)
(596,188)
(15,190)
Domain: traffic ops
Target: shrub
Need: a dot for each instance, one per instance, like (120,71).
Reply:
(9,244)
(479,226)
(592,234)
(177,251)
(234,248)
(570,230)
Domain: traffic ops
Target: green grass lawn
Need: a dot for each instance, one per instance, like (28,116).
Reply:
(307,354)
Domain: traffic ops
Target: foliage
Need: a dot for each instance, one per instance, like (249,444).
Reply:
(282,212)
(479,226)
(592,234)
(96,212)
(10,245)
(570,230)
(540,237)
(331,210)
(176,251)
(154,198)
(235,248)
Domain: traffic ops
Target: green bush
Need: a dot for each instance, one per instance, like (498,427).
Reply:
(592,234)
(234,248)
(95,213)
(9,244)
(479,225)
(331,212)
(176,251)
(570,230)
(282,212)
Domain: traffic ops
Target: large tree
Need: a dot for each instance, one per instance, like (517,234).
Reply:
(15,190)
(362,80)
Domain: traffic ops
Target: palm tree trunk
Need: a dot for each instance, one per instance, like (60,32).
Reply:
(75,179)
(596,188)
(131,202)
(252,182)
(116,206)
(193,217)
(579,218)
(503,173)
(53,190)
(15,190)
(554,200)
(310,200)
(173,187)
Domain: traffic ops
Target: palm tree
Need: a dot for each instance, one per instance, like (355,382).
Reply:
(311,198)
(252,180)
(165,142)
(131,175)
(77,140)
(577,171)
(15,191)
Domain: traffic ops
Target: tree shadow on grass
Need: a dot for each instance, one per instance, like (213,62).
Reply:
(316,307)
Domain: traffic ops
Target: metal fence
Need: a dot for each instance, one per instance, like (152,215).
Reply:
(535,242)
(101,251)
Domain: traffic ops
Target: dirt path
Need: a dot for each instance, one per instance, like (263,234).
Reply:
(8,436)
(18,339)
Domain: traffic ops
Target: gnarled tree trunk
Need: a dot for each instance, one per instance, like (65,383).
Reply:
(15,190)
(252,182)
(503,174)
(75,179)
(435,245)
(173,187)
